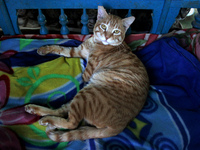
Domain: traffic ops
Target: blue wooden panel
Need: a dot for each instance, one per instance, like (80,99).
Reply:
(42,22)
(175,6)
(84,21)
(128,15)
(79,4)
(196,22)
(164,11)
(155,5)
(5,22)
(63,21)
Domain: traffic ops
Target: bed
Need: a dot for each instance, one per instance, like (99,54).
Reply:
(169,119)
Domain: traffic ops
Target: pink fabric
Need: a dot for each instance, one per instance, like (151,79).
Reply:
(9,140)
(16,116)
(5,90)
(197,46)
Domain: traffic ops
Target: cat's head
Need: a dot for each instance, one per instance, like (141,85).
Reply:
(110,29)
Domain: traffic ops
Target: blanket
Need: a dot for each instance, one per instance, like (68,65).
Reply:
(169,119)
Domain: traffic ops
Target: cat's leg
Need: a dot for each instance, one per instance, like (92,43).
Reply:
(82,133)
(57,122)
(87,73)
(75,115)
(43,111)
(89,70)
(80,51)
(86,77)
(76,112)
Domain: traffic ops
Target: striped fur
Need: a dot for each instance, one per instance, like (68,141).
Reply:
(117,88)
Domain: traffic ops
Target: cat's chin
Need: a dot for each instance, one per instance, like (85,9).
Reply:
(112,44)
(105,43)
(115,44)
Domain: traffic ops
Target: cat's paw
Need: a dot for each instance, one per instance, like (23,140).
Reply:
(50,127)
(45,121)
(44,50)
(31,109)
(55,136)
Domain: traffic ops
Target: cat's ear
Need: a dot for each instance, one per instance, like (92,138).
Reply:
(101,13)
(128,21)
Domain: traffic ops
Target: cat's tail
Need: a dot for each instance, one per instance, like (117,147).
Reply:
(82,133)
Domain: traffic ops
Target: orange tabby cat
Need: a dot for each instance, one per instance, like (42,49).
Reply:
(117,88)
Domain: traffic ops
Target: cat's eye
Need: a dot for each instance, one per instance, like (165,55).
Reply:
(116,32)
(103,27)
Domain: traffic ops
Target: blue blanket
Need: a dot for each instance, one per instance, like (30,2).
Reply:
(169,120)
(175,78)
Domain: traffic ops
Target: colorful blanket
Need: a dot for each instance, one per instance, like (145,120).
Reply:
(169,119)
(26,77)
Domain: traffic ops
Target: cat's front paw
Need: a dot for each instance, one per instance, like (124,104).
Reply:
(44,50)
(45,121)
(31,109)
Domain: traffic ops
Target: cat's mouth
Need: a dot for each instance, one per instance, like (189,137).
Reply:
(105,42)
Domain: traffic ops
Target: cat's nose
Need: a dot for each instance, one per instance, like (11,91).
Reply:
(107,37)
